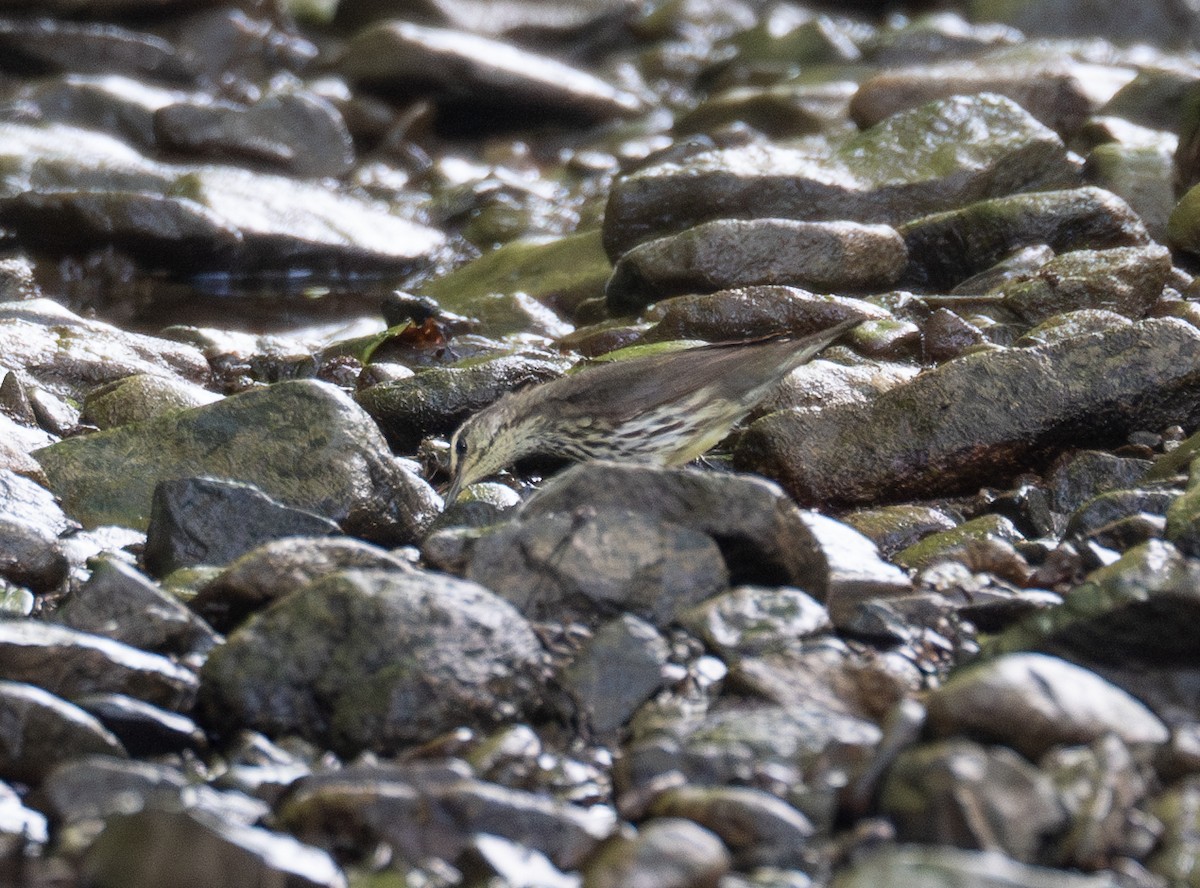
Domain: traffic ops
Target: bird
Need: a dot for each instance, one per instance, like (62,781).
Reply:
(664,409)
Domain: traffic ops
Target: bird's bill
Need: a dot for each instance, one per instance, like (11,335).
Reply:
(453,491)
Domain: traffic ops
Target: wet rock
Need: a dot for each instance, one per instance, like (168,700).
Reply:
(1115,505)
(1175,858)
(1157,23)
(139,397)
(753,620)
(303,442)
(981,437)
(758,828)
(820,384)
(1183,228)
(144,730)
(666,852)
(31,523)
(913,866)
(425,812)
(728,253)
(947,248)
(509,288)
(763,537)
(1059,93)
(208,521)
(936,36)
(45,45)
(403,58)
(279,568)
(946,336)
(1183,522)
(1127,280)
(489,857)
(942,545)
(1142,176)
(225,45)
(1077,477)
(1084,322)
(1134,610)
(604,560)
(41,731)
(157,847)
(120,603)
(374,660)
(885,175)
(70,355)
(438,400)
(1018,265)
(72,664)
(893,528)
(780,110)
(295,132)
(22,830)
(962,794)
(1033,702)
(537,20)
(616,671)
(120,106)
(751,312)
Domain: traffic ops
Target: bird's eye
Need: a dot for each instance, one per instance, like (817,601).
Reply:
(460,447)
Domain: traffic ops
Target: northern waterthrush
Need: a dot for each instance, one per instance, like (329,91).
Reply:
(664,409)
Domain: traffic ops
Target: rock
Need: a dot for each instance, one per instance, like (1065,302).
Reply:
(753,620)
(120,603)
(277,569)
(607,560)
(946,248)
(1088,388)
(942,545)
(887,174)
(1033,702)
(1077,477)
(402,58)
(761,830)
(226,45)
(779,110)
(1115,505)
(1156,23)
(753,312)
(914,866)
(1125,280)
(959,793)
(40,731)
(16,443)
(893,528)
(375,660)
(1059,93)
(438,400)
(197,521)
(48,44)
(23,831)
(666,852)
(1141,175)
(935,36)
(72,664)
(422,814)
(69,355)
(109,103)
(1175,857)
(31,523)
(160,847)
(616,671)
(304,443)
(298,133)
(139,397)
(541,20)
(728,253)
(144,730)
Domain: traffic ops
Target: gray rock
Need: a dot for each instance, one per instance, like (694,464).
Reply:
(888,174)
(141,396)
(438,400)
(616,671)
(758,828)
(944,544)
(375,660)
(753,620)
(23,831)
(1141,175)
(1158,23)
(936,36)
(988,422)
(107,103)
(119,602)
(752,312)
(1033,702)
(304,442)
(73,664)
(537,19)
(208,521)
(727,253)
(160,847)
(144,730)
(607,560)
(421,814)
(893,528)
(295,132)
(277,569)
(946,248)
(1077,477)
(1115,505)
(225,44)
(779,110)
(962,794)
(90,48)
(30,525)
(666,852)
(40,731)
(405,58)
(1174,808)
(1183,522)
(914,867)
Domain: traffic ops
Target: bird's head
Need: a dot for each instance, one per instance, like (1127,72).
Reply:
(486,443)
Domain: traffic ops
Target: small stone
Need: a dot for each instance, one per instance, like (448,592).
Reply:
(753,620)
(144,730)
(40,731)
(666,852)
(616,671)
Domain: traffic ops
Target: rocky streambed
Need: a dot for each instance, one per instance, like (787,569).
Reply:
(928,617)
